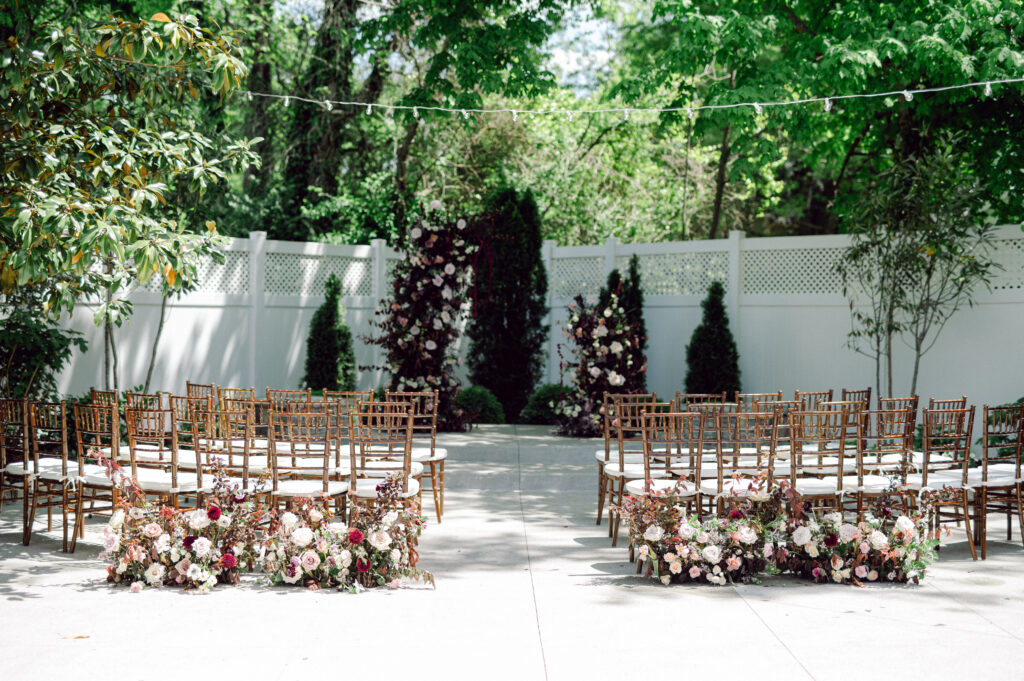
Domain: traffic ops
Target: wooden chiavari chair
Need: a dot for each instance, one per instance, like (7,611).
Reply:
(628,421)
(424,437)
(809,399)
(337,428)
(54,474)
(145,400)
(15,446)
(947,433)
(224,394)
(745,445)
(207,390)
(863,396)
(886,440)
(381,446)
(348,398)
(279,398)
(999,482)
(224,436)
(818,457)
(153,451)
(185,410)
(710,411)
(746,401)
(686,400)
(97,429)
(608,431)
(104,397)
(782,409)
(952,403)
(300,458)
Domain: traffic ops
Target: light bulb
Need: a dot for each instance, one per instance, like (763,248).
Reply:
(465,114)
(515,115)
(248,95)
(328,105)
(828,104)
(907,96)
(757,108)
(568,114)
(369,109)
(691,113)
(625,114)
(988,89)
(287,100)
(416,112)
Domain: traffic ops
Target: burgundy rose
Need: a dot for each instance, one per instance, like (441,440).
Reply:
(736,514)
(363,565)
(213,513)
(228,561)
(831,539)
(189,541)
(354,537)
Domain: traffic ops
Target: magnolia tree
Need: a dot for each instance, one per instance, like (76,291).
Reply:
(608,341)
(421,321)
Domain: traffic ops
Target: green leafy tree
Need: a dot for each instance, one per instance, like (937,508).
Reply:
(507,331)
(713,363)
(330,359)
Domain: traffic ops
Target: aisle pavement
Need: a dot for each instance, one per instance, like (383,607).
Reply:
(528,587)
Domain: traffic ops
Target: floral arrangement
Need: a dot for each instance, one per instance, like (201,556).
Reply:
(608,349)
(771,533)
(305,547)
(153,544)
(420,321)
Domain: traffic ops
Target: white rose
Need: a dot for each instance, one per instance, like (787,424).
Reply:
(416,233)
(835,519)
(607,312)
(812,550)
(289,520)
(686,531)
(202,547)
(675,567)
(379,539)
(315,516)
(117,520)
(712,554)
(435,205)
(615,347)
(198,520)
(396,555)
(302,536)
(906,525)
(390,518)
(878,540)
(461,224)
(163,542)
(595,372)
(346,558)
(136,513)
(747,535)
(224,521)
(801,535)
(654,533)
(155,574)
(152,530)
(847,533)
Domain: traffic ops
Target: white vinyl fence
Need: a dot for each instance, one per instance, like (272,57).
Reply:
(246,324)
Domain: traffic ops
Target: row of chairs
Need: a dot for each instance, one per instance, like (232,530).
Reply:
(838,455)
(298,443)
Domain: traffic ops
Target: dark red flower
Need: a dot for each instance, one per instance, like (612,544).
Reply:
(363,565)
(189,541)
(736,514)
(831,539)
(213,513)
(355,536)
(228,561)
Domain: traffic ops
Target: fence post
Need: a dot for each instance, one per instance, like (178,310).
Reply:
(735,283)
(257,297)
(380,272)
(547,252)
(610,251)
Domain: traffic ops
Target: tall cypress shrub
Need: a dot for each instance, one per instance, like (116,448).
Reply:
(507,333)
(330,360)
(713,363)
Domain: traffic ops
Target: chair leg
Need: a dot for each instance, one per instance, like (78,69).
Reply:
(964,503)
(618,516)
(981,520)
(434,488)
(440,469)
(600,492)
(28,516)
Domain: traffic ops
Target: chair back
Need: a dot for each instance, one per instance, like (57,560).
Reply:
(225,434)
(207,390)
(14,437)
(156,432)
(886,441)
(672,444)
(745,445)
(952,403)
(1003,438)
(821,441)
(710,411)
(809,399)
(946,440)
(843,405)
(746,401)
(348,398)
(424,407)
(234,394)
(627,423)
(145,400)
(686,400)
(106,397)
(97,426)
(279,398)
(609,428)
(299,445)
(49,432)
(864,396)
(382,434)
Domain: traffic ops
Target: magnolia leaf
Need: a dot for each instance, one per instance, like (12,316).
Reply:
(161,17)
(211,226)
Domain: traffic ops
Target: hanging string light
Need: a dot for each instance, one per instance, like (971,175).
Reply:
(691,111)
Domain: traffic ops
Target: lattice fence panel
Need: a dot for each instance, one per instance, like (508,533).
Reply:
(793,271)
(297,274)
(680,274)
(231,277)
(576,276)
(1009,254)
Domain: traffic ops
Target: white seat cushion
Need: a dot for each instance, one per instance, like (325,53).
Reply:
(54,474)
(381,469)
(232,482)
(873,484)
(999,475)
(815,486)
(310,488)
(730,487)
(631,457)
(424,454)
(632,471)
(937,479)
(22,468)
(685,488)
(149,479)
(367,489)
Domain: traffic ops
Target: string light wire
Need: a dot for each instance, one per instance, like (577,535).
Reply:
(828,103)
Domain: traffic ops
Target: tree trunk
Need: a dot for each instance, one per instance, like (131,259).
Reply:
(106,346)
(402,171)
(723,162)
(257,123)
(156,342)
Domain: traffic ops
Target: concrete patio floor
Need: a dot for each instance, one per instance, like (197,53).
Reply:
(528,587)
